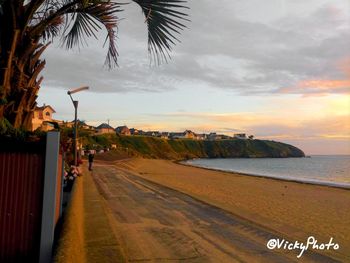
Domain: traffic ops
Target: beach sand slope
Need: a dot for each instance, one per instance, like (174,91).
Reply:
(294,210)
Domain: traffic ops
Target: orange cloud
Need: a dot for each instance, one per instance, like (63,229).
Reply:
(319,87)
(324,84)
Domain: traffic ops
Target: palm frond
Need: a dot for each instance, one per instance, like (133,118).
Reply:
(86,19)
(53,29)
(164,20)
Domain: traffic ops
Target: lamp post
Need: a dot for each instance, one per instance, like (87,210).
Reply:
(75,104)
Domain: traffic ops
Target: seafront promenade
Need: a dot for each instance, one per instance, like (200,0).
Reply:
(86,234)
(118,216)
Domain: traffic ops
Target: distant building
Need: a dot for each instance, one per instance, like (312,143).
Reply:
(190,134)
(212,136)
(123,130)
(41,118)
(164,135)
(183,135)
(104,128)
(241,136)
(81,125)
(134,131)
(201,137)
(141,132)
(215,137)
(176,135)
(152,133)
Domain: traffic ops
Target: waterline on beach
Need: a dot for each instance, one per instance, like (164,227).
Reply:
(321,170)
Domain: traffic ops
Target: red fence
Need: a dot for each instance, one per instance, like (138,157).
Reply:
(22,176)
(21,189)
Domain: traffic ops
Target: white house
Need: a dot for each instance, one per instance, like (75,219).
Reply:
(183,135)
(241,136)
(41,116)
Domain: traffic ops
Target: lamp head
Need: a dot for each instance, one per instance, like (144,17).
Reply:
(77,90)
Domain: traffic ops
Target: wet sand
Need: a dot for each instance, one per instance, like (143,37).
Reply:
(294,210)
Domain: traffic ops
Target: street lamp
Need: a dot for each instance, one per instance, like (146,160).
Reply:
(75,104)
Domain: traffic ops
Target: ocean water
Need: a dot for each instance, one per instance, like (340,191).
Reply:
(328,170)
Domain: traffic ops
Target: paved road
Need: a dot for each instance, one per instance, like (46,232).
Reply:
(156,224)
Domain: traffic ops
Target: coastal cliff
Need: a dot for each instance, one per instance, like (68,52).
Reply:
(150,147)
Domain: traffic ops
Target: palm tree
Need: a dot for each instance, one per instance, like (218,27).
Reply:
(29,26)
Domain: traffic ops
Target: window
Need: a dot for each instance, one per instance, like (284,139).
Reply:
(47,114)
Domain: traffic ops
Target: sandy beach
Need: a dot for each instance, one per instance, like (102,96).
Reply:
(295,210)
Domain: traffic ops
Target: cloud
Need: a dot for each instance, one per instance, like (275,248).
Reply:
(234,48)
(242,66)
(269,126)
(344,66)
(319,87)
(249,57)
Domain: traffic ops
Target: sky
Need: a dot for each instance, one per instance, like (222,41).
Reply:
(277,69)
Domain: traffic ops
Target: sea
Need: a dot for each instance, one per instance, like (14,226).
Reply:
(332,170)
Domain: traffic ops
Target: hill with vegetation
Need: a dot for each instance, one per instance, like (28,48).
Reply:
(152,147)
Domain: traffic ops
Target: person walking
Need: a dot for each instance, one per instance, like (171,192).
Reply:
(91,160)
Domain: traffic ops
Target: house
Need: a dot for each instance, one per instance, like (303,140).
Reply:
(201,137)
(104,128)
(140,132)
(152,133)
(41,118)
(164,135)
(183,135)
(84,126)
(241,136)
(189,134)
(212,136)
(123,130)
(215,137)
(176,135)
(134,131)
(81,125)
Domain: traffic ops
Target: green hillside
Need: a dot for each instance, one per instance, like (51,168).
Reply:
(151,147)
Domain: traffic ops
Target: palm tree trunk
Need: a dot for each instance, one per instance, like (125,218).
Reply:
(20,83)
(20,67)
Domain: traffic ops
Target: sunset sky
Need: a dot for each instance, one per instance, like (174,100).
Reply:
(277,69)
